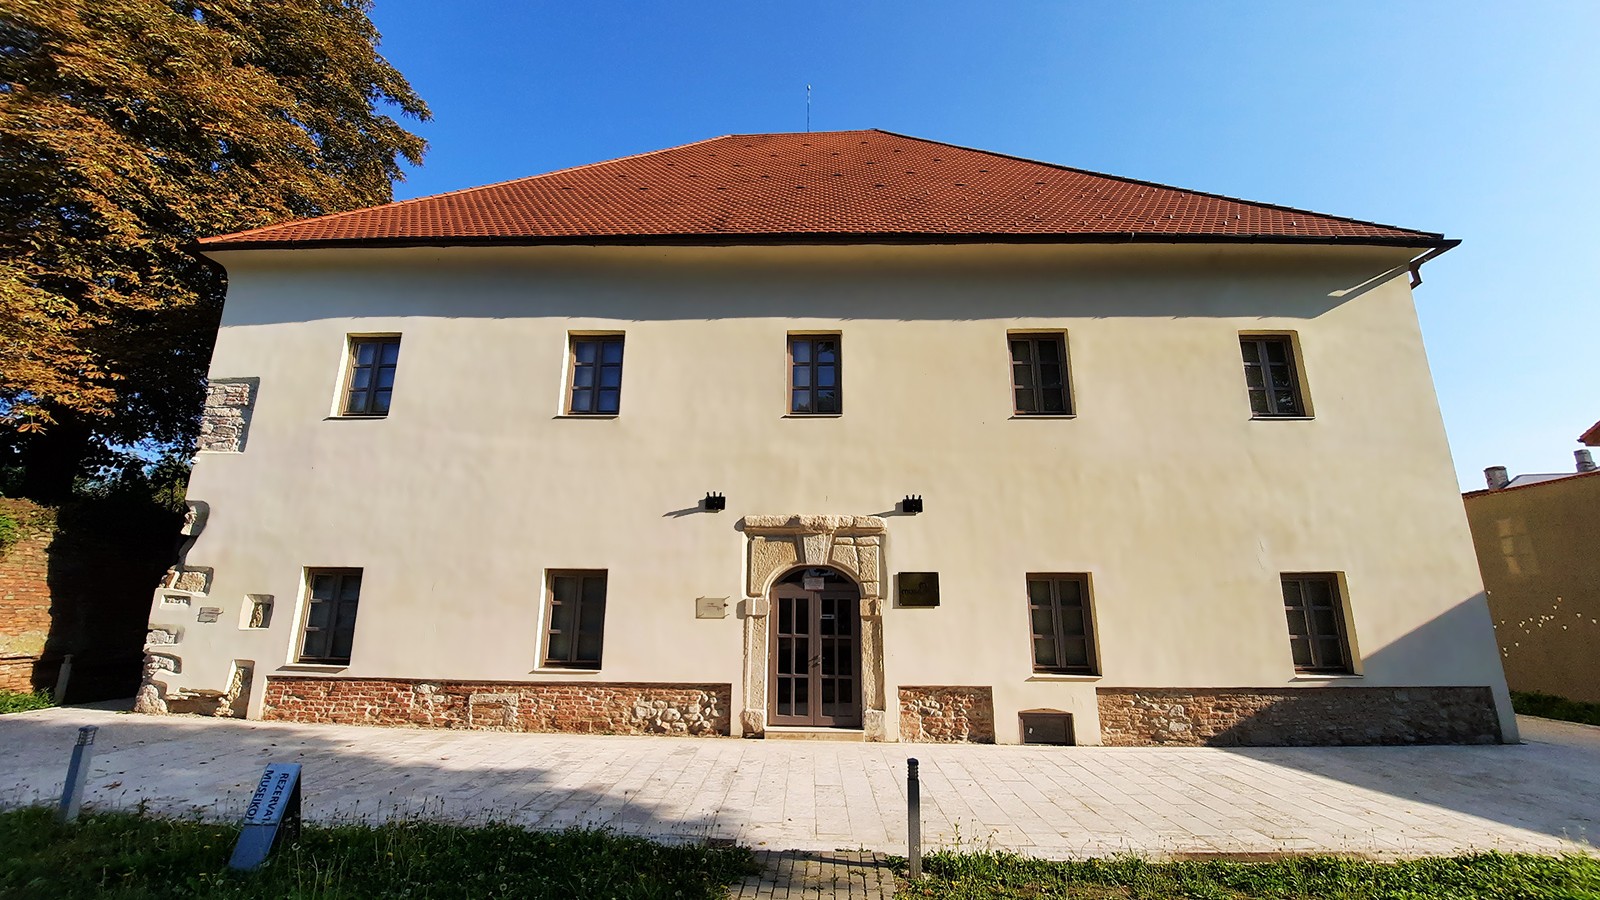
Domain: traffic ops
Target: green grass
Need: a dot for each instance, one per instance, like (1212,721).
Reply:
(13,701)
(1552,707)
(10,532)
(970,876)
(123,856)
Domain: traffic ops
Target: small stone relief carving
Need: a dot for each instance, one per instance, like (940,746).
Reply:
(258,611)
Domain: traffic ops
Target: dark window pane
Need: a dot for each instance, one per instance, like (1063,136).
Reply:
(1022,376)
(322,587)
(1021,351)
(386,377)
(826,376)
(827,351)
(611,376)
(1050,376)
(827,401)
(350,587)
(1055,402)
(1258,403)
(1286,404)
(1252,352)
(1301,649)
(1039,591)
(1044,622)
(366,353)
(582,400)
(380,401)
(611,353)
(1075,653)
(1044,653)
(1049,351)
(1276,352)
(361,379)
(802,376)
(583,377)
(800,402)
(1025,401)
(1253,378)
(357,402)
(608,401)
(800,348)
(1297,622)
(583,351)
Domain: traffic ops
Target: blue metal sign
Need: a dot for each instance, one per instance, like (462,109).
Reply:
(274,808)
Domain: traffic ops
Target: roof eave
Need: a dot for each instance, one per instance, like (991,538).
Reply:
(1418,241)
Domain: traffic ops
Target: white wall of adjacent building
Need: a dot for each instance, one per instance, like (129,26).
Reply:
(1182,508)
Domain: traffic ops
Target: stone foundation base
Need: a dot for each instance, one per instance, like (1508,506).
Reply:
(573,707)
(947,714)
(1296,717)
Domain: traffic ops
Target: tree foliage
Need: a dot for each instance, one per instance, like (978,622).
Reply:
(127,129)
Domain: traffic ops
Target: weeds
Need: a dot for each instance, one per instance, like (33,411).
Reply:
(16,701)
(133,857)
(1006,875)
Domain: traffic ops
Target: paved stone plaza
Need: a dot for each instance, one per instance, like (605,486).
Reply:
(1541,796)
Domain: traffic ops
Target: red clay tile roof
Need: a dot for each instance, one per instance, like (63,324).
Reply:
(838,185)
(1592,436)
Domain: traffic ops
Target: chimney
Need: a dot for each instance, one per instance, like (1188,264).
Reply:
(1496,476)
(1585,460)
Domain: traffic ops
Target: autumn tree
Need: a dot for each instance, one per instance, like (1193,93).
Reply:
(128,128)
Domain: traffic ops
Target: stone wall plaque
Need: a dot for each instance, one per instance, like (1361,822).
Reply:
(711,607)
(917,588)
(209,614)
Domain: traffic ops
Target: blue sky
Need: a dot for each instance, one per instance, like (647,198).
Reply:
(1477,119)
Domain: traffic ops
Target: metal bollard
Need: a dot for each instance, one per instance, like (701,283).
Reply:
(77,774)
(913,819)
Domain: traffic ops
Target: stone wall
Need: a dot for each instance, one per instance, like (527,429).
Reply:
(225,419)
(573,707)
(947,714)
(25,596)
(1262,717)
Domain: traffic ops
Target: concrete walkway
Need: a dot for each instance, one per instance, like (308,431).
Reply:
(1542,796)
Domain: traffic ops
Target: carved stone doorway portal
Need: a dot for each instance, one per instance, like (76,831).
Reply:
(776,546)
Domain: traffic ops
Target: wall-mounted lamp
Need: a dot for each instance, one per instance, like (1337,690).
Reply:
(714,502)
(912,504)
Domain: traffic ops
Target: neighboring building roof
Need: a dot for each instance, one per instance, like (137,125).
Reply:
(838,185)
(1538,477)
(1592,436)
(1528,481)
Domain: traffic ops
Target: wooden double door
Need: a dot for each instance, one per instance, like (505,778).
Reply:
(815,649)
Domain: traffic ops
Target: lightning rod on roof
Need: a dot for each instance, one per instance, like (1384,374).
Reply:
(808,108)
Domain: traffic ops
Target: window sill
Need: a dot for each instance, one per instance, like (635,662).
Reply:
(588,416)
(1325,676)
(1020,416)
(1282,418)
(309,667)
(813,415)
(345,418)
(1062,676)
(564,670)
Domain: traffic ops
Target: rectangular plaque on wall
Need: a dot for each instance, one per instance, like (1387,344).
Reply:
(917,588)
(711,607)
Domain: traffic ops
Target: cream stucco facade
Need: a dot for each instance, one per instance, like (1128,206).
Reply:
(1181,508)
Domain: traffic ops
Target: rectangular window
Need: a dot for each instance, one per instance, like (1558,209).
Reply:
(577,619)
(596,375)
(1039,374)
(815,377)
(1269,374)
(372,364)
(332,596)
(1063,637)
(1316,623)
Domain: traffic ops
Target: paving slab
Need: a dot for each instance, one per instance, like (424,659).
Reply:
(1062,802)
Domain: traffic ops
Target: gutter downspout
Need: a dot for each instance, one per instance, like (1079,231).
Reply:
(1415,266)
